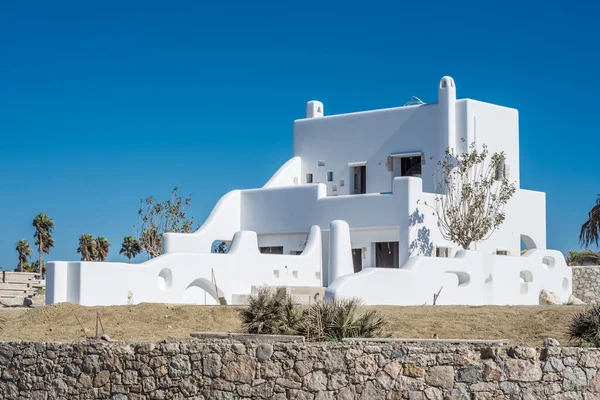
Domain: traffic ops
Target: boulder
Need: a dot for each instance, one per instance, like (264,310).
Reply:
(575,301)
(16,301)
(548,298)
(551,342)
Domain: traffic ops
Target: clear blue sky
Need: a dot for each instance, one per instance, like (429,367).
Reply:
(103,103)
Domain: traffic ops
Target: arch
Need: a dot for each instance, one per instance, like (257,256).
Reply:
(456,279)
(528,242)
(201,291)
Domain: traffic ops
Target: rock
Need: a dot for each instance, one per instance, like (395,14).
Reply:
(523,370)
(211,364)
(575,301)
(433,394)
(264,352)
(371,392)
(522,352)
(441,376)
(548,298)
(574,379)
(366,365)
(346,393)
(414,371)
(240,369)
(393,369)
(551,342)
(106,338)
(470,374)
(303,367)
(13,301)
(315,381)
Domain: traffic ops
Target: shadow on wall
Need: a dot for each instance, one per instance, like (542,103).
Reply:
(422,244)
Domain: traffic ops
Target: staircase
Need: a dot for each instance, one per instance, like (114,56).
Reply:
(16,286)
(303,295)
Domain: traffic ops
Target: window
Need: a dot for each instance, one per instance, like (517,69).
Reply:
(330,176)
(442,252)
(309,178)
(321,163)
(271,250)
(386,255)
(410,166)
(359,181)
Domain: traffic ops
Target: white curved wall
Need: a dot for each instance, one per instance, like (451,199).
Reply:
(169,277)
(470,278)
(287,175)
(222,223)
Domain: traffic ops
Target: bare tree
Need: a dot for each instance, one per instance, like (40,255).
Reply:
(473,190)
(157,217)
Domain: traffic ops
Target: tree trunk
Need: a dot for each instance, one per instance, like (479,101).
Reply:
(20,265)
(41,255)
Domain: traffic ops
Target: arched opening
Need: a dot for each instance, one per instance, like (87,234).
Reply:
(220,246)
(201,291)
(455,279)
(527,243)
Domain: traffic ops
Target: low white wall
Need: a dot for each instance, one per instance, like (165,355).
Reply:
(186,277)
(470,278)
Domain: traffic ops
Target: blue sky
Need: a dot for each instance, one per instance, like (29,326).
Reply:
(102,104)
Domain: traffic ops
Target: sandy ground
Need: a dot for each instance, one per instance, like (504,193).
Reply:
(526,324)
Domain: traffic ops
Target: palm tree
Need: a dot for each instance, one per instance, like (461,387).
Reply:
(86,247)
(590,230)
(43,235)
(130,247)
(24,252)
(102,246)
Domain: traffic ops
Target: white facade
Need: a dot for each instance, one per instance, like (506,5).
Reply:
(351,202)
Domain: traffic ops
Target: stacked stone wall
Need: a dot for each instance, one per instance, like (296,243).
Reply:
(586,284)
(342,371)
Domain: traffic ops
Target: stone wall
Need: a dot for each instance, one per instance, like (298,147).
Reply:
(232,370)
(586,284)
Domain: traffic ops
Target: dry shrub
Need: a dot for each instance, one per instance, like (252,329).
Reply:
(585,327)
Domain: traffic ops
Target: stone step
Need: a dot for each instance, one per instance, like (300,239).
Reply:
(14,286)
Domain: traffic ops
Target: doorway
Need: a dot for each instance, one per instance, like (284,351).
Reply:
(357,260)
(359,179)
(386,255)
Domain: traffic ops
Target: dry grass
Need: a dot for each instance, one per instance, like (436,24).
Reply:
(527,324)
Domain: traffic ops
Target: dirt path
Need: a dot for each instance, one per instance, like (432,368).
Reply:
(159,321)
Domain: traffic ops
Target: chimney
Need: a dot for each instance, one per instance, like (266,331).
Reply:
(314,109)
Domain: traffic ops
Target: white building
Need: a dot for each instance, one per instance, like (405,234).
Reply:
(346,212)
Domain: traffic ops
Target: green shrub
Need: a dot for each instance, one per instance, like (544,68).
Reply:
(584,257)
(585,327)
(271,311)
(339,319)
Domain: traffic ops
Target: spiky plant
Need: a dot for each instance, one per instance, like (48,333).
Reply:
(341,319)
(590,230)
(585,327)
(270,311)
